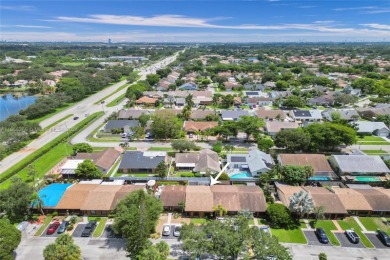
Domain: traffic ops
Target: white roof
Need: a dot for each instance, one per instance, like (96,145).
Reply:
(115,182)
(71,164)
(96,181)
(154,154)
(361,163)
(369,127)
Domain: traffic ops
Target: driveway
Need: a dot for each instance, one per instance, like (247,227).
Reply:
(344,241)
(78,230)
(375,240)
(312,239)
(109,233)
(170,235)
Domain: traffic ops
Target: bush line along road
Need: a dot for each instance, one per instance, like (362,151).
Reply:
(81,109)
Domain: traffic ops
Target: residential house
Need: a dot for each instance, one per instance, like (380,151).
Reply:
(237,101)
(274,127)
(269,84)
(270,115)
(229,86)
(324,100)
(104,160)
(173,197)
(188,86)
(354,202)
(206,161)
(74,198)
(146,101)
(373,112)
(359,165)
(136,161)
(98,201)
(191,127)
(374,128)
(132,113)
(201,114)
(319,163)
(279,94)
(255,162)
(350,115)
(233,115)
(378,198)
(302,116)
(124,125)
(68,169)
(254,86)
(253,94)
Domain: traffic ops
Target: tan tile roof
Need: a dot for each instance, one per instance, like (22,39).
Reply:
(199,199)
(201,114)
(172,195)
(146,99)
(104,159)
(270,114)
(123,192)
(351,199)
(276,126)
(101,197)
(199,126)
(378,200)
(75,196)
(286,191)
(317,161)
(226,196)
(252,198)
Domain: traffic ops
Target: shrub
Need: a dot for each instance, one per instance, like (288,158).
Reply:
(279,215)
(322,256)
(198,175)
(73,219)
(55,214)
(70,227)
(187,174)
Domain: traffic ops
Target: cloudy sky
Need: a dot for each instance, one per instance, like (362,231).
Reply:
(195,21)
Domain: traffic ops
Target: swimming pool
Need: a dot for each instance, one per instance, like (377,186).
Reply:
(51,194)
(367,179)
(320,178)
(241,175)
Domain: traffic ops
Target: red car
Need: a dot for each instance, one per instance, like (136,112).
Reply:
(52,228)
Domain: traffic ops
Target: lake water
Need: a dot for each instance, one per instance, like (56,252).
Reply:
(10,104)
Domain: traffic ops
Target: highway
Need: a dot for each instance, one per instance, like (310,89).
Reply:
(81,109)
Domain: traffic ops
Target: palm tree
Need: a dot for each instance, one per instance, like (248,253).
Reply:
(186,113)
(182,206)
(198,133)
(37,202)
(220,210)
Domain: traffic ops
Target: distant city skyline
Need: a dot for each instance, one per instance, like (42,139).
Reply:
(195,21)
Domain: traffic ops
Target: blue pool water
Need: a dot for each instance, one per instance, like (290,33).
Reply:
(320,178)
(241,175)
(51,195)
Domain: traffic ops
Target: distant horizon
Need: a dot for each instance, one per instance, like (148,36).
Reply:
(188,43)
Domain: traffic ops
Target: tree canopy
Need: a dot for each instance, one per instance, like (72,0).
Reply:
(82,148)
(292,139)
(87,169)
(279,215)
(183,145)
(166,125)
(10,238)
(62,249)
(296,174)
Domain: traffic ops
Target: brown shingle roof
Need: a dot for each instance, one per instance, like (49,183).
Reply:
(317,161)
(198,126)
(75,196)
(101,197)
(226,196)
(270,114)
(378,200)
(123,192)
(104,159)
(201,114)
(327,199)
(286,191)
(199,199)
(171,196)
(251,198)
(351,199)
(147,100)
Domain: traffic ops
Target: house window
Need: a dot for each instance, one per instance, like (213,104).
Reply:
(93,212)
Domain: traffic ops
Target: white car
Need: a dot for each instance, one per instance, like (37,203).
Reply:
(166,230)
(176,230)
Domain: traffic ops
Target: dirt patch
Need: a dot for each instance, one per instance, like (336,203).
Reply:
(180,220)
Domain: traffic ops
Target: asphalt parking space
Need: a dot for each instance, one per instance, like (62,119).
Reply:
(312,239)
(55,234)
(344,241)
(78,230)
(170,235)
(109,233)
(375,240)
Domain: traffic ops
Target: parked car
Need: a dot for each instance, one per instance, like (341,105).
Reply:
(75,118)
(322,237)
(176,231)
(191,135)
(352,236)
(166,230)
(266,230)
(89,229)
(63,227)
(383,237)
(52,228)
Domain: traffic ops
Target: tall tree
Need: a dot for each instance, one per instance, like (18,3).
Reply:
(87,169)
(220,210)
(295,174)
(10,238)
(183,145)
(279,215)
(250,125)
(15,200)
(161,170)
(152,79)
(292,139)
(82,148)
(166,125)
(136,217)
(63,249)
(301,203)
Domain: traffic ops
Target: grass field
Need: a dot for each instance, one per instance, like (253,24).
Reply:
(198,221)
(165,149)
(372,224)
(114,166)
(371,138)
(349,223)
(56,122)
(327,225)
(374,151)
(73,63)
(374,143)
(46,222)
(289,235)
(116,101)
(100,228)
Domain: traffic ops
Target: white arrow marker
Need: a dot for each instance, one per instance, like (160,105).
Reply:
(215,181)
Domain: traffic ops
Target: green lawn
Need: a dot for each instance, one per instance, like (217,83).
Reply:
(349,223)
(327,225)
(100,228)
(165,149)
(372,224)
(114,167)
(374,151)
(374,143)
(371,138)
(289,235)
(116,101)
(198,221)
(56,122)
(251,222)
(46,222)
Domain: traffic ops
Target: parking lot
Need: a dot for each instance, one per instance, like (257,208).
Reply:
(344,241)
(78,230)
(170,235)
(109,233)
(55,234)
(375,240)
(312,239)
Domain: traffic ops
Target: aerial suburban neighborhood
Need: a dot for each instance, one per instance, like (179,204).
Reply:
(170,150)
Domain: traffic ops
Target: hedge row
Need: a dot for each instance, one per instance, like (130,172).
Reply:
(47,147)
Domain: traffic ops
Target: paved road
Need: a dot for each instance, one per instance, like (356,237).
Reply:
(370,147)
(85,106)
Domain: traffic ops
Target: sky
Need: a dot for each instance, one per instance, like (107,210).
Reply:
(195,21)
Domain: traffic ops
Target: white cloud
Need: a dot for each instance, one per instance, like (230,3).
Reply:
(17,7)
(377,26)
(307,6)
(366,9)
(31,26)
(377,11)
(355,8)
